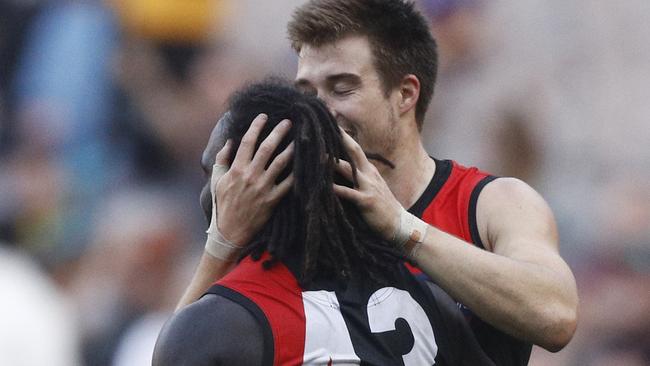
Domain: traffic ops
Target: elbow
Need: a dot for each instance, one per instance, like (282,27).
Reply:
(559,328)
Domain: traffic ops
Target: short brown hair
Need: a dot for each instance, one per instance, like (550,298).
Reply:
(399,36)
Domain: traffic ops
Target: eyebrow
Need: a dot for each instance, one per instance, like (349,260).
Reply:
(332,79)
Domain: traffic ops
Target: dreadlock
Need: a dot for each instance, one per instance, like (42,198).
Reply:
(331,235)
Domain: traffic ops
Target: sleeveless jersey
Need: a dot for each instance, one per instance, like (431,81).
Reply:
(400,324)
(396,325)
(449,204)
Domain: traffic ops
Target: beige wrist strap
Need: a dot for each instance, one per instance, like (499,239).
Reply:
(219,247)
(410,234)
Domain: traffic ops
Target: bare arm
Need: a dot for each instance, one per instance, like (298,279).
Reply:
(209,270)
(521,285)
(246,195)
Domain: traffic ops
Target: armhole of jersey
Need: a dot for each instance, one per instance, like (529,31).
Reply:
(257,313)
(473,202)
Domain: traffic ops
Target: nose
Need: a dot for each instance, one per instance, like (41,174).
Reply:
(333,111)
(329,103)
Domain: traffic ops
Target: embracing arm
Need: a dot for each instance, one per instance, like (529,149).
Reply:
(520,285)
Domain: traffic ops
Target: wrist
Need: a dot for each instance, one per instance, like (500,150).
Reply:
(409,234)
(220,247)
(238,237)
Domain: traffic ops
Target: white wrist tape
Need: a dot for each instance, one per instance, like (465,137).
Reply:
(410,233)
(219,247)
(218,172)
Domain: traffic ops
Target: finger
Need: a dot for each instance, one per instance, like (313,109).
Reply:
(345,169)
(247,145)
(268,146)
(222,156)
(220,167)
(346,193)
(282,188)
(218,171)
(279,164)
(354,149)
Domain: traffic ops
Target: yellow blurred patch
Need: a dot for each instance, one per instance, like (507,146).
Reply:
(190,21)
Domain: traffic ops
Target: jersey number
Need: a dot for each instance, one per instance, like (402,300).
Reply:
(391,312)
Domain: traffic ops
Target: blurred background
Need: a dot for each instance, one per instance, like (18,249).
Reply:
(105,107)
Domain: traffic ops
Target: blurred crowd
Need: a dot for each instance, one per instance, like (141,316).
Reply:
(105,107)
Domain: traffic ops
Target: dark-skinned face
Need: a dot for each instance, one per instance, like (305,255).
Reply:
(215,144)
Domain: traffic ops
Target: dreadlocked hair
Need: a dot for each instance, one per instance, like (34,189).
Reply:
(329,234)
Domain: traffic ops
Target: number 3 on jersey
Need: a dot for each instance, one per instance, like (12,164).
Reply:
(392,314)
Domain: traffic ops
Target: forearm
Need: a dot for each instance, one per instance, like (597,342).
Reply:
(527,300)
(209,270)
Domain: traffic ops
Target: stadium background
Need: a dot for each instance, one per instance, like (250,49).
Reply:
(105,107)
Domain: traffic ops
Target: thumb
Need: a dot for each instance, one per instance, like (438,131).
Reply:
(222,156)
(220,168)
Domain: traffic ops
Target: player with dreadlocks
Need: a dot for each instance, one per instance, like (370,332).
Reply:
(491,242)
(329,233)
(316,284)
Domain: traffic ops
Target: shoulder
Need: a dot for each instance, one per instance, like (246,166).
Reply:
(214,330)
(507,189)
(511,197)
(509,208)
(465,183)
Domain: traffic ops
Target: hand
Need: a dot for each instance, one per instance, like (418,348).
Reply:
(377,204)
(247,193)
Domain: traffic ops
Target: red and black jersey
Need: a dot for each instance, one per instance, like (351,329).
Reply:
(407,322)
(449,204)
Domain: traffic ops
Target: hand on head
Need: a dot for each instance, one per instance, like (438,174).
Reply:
(247,192)
(379,207)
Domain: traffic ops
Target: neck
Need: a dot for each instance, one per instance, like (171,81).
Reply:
(413,162)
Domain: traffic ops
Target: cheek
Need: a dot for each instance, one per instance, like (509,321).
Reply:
(343,106)
(363,107)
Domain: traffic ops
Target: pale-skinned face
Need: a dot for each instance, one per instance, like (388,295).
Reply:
(343,75)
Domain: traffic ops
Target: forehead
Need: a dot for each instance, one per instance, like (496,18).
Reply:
(349,55)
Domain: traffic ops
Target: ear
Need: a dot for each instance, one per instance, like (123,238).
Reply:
(409,93)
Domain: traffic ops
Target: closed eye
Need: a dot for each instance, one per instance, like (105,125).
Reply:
(342,92)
